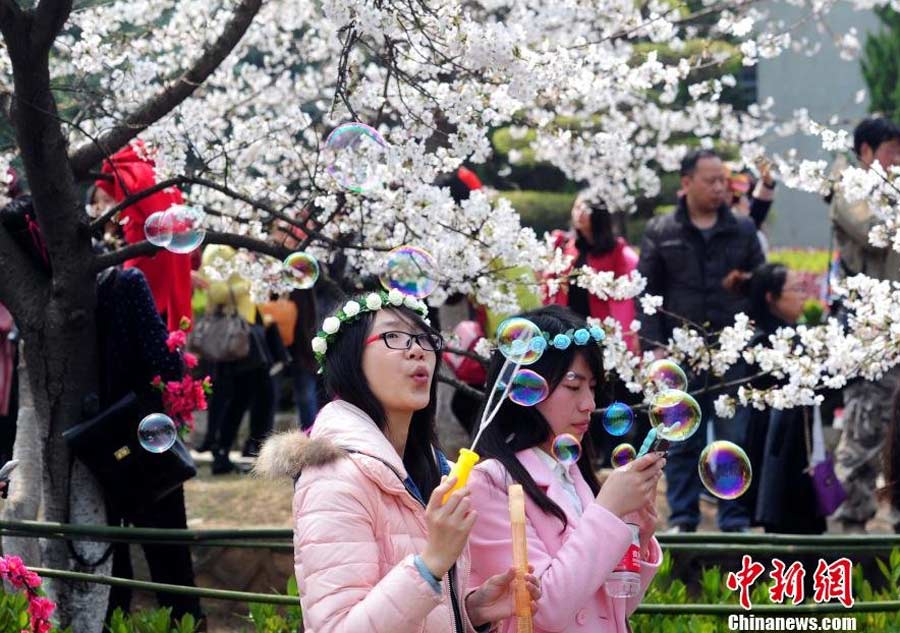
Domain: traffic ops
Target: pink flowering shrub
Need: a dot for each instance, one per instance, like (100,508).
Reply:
(27,585)
(182,397)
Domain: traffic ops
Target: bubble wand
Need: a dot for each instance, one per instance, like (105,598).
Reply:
(467,456)
(520,558)
(654,442)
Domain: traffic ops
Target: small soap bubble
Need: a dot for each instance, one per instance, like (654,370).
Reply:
(675,414)
(622,454)
(618,419)
(566,449)
(158,229)
(157,433)
(514,338)
(303,268)
(665,374)
(528,388)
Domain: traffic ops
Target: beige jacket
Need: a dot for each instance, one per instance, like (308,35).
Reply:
(852,223)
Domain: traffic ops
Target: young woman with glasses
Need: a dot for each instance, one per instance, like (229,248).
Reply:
(375,549)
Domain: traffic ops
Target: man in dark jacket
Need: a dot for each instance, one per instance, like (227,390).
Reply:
(685,256)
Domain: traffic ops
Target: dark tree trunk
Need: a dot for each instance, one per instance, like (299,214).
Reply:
(55,311)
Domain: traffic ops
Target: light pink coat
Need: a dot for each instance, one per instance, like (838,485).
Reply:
(572,564)
(356,530)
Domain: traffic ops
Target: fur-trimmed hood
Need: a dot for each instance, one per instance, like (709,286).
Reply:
(287,454)
(339,428)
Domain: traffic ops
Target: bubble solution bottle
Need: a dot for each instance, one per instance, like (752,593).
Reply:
(625,579)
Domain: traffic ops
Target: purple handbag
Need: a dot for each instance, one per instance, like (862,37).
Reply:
(829,491)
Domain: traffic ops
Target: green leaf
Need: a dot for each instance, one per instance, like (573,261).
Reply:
(292,589)
(884,568)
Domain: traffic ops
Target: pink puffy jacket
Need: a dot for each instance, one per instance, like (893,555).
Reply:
(572,564)
(356,530)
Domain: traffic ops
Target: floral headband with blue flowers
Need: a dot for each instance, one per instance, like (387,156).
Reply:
(564,340)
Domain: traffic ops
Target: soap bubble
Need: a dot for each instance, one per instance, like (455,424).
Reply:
(188,228)
(528,388)
(157,433)
(566,449)
(675,414)
(622,454)
(411,270)
(725,470)
(665,374)
(158,229)
(303,268)
(514,338)
(356,156)
(618,419)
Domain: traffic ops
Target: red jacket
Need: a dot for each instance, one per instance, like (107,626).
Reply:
(621,260)
(168,274)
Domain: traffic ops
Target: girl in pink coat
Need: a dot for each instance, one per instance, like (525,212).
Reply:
(592,242)
(375,550)
(576,530)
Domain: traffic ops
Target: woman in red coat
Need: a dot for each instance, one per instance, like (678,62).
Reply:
(168,274)
(591,242)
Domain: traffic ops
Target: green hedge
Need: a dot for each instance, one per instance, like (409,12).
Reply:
(813,260)
(542,210)
(546,211)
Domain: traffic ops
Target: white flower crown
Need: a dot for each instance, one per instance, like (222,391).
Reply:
(351,311)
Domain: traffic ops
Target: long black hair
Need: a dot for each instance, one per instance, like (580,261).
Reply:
(602,234)
(344,379)
(516,427)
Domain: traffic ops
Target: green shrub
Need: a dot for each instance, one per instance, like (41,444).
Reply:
(813,311)
(151,621)
(813,260)
(269,618)
(503,142)
(541,210)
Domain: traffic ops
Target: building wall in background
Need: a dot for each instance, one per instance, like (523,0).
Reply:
(825,85)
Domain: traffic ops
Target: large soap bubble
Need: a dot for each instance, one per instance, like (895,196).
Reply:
(725,470)
(188,228)
(411,270)
(356,156)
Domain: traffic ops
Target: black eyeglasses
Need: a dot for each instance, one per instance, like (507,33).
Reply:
(404,340)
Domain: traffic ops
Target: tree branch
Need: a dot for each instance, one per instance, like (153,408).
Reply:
(142,249)
(461,386)
(49,18)
(158,106)
(467,354)
(99,223)
(10,11)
